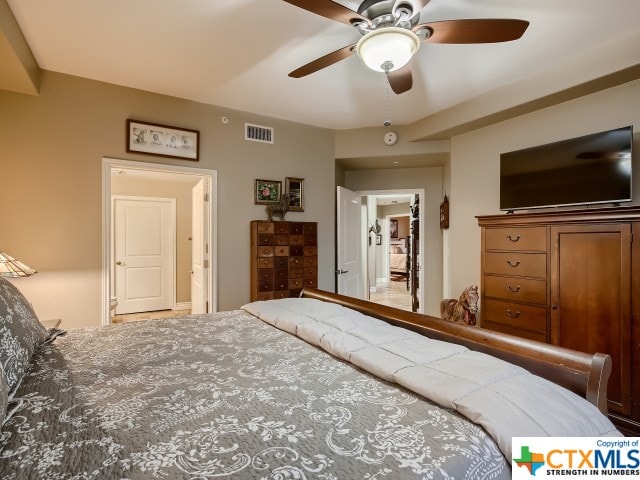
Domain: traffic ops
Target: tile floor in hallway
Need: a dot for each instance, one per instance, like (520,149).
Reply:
(393,294)
(138,317)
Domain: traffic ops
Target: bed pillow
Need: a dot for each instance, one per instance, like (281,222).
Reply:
(20,333)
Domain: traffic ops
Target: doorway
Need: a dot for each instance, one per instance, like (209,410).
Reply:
(398,287)
(193,193)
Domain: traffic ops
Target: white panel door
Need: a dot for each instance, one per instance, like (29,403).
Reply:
(349,268)
(199,248)
(144,252)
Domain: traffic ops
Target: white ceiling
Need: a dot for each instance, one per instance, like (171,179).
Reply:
(237,53)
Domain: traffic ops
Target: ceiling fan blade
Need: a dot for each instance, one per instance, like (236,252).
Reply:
(598,155)
(330,10)
(484,30)
(401,80)
(322,62)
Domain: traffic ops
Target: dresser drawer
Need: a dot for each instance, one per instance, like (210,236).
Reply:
(296,250)
(310,228)
(296,239)
(265,251)
(310,261)
(516,263)
(281,294)
(310,251)
(296,272)
(310,272)
(262,296)
(281,250)
(311,282)
(518,332)
(296,228)
(265,227)
(296,262)
(516,238)
(281,274)
(280,262)
(281,284)
(265,285)
(310,240)
(516,289)
(515,315)
(265,275)
(281,227)
(281,239)
(265,239)
(265,262)
(296,283)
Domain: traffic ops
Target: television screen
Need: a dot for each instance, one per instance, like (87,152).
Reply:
(590,169)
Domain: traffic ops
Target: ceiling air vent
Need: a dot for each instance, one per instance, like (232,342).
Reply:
(258,133)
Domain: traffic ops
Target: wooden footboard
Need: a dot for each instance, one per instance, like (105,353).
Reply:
(582,373)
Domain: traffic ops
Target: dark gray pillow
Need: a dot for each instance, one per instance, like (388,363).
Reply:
(4,395)
(20,333)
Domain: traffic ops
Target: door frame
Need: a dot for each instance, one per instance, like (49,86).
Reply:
(421,192)
(109,164)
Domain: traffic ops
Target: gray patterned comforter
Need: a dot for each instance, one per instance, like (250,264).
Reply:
(226,396)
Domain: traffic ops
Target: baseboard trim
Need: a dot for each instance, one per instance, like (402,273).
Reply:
(182,306)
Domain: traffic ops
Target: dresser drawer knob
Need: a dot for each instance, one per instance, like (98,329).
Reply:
(513,264)
(513,289)
(512,238)
(513,315)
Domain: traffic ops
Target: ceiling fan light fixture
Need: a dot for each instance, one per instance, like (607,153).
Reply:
(388,48)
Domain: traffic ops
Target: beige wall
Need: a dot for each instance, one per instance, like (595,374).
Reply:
(429,179)
(50,169)
(475,168)
(121,184)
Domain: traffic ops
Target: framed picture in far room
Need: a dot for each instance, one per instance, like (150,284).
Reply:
(295,188)
(393,228)
(267,191)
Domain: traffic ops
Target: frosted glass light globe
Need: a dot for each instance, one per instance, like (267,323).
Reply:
(390,44)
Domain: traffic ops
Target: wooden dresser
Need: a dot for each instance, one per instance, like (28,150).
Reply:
(284,258)
(570,278)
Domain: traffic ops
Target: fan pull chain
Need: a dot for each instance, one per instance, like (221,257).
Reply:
(387,122)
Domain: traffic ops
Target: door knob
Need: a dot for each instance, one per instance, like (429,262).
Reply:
(340,271)
(119,263)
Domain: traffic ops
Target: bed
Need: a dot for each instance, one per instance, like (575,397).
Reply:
(398,257)
(321,386)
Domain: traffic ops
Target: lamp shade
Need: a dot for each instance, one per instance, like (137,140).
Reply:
(388,49)
(10,267)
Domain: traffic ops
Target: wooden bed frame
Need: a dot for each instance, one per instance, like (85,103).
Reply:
(585,374)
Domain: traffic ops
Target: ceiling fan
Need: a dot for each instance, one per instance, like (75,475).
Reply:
(391,35)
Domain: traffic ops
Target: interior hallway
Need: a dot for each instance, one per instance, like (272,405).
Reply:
(393,294)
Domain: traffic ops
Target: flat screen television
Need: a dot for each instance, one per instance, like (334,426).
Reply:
(594,168)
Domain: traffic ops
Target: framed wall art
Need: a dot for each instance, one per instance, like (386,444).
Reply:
(267,191)
(393,228)
(162,140)
(295,188)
